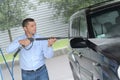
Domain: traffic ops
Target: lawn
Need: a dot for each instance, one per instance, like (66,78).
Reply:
(58,44)
(61,44)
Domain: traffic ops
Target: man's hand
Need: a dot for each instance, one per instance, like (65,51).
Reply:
(24,42)
(51,41)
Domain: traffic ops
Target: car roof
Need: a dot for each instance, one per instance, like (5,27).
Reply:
(103,5)
(98,7)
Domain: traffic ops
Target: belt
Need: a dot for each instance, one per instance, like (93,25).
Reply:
(35,70)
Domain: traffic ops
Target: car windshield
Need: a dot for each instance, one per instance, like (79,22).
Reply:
(106,24)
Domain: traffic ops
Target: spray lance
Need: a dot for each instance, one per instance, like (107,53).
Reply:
(37,39)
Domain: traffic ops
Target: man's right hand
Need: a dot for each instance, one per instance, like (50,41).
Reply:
(24,42)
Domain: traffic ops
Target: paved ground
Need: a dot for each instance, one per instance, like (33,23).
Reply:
(58,68)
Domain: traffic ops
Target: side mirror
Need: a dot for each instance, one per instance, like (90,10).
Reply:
(78,43)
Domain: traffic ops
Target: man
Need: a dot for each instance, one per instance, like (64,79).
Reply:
(32,54)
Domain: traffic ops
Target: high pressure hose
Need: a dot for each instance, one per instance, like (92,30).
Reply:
(11,73)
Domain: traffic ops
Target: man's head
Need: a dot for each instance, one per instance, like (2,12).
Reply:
(29,26)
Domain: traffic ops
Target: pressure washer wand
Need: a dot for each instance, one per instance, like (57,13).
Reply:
(46,38)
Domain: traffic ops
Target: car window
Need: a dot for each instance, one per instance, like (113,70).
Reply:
(106,24)
(78,25)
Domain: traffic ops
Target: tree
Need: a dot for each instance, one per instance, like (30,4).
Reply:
(66,8)
(12,13)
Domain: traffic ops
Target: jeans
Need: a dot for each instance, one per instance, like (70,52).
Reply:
(41,74)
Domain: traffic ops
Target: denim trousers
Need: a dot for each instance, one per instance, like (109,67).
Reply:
(41,74)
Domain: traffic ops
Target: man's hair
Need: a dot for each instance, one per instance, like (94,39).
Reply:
(25,21)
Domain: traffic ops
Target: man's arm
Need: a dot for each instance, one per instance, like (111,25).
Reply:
(13,46)
(17,44)
(47,47)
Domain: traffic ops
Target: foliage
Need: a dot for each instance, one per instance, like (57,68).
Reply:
(66,8)
(12,12)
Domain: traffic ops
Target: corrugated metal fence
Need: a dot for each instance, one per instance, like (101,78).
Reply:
(46,25)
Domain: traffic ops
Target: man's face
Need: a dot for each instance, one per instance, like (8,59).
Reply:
(30,28)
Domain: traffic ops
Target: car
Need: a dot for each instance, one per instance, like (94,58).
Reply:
(95,47)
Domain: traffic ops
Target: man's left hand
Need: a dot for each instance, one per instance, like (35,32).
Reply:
(51,41)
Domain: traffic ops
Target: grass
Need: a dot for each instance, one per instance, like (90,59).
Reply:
(8,57)
(58,44)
